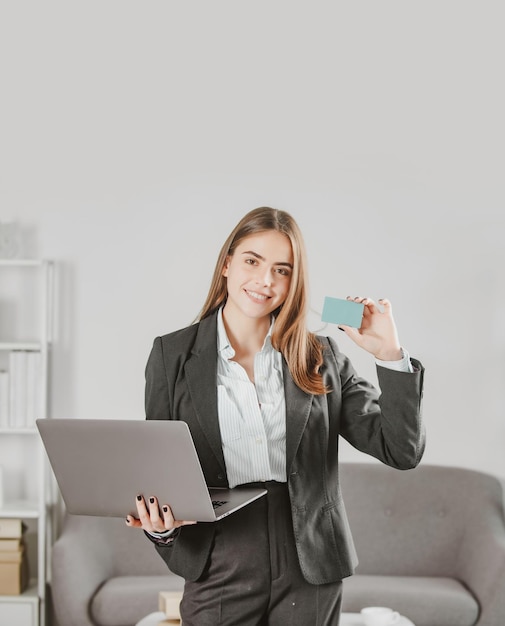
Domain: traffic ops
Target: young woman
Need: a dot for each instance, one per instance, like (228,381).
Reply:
(266,401)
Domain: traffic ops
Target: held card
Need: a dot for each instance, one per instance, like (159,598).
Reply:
(342,312)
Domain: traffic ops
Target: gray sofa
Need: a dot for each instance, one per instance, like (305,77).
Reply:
(431,543)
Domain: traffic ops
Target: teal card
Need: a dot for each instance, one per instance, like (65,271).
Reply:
(343,312)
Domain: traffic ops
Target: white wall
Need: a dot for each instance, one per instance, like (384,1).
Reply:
(135,135)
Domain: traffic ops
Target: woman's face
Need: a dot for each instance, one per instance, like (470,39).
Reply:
(259,274)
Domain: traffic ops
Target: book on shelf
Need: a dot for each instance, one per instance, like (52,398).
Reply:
(17,388)
(33,387)
(11,528)
(4,398)
(24,388)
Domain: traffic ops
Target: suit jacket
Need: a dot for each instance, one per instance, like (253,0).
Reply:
(181,384)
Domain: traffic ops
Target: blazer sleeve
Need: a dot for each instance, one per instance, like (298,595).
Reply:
(385,423)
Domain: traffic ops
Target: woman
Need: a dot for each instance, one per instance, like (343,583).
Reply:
(266,401)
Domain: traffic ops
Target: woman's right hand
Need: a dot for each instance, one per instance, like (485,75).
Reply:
(152,518)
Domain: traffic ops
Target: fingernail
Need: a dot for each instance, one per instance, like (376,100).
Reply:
(127,521)
(341,329)
(139,498)
(165,509)
(151,500)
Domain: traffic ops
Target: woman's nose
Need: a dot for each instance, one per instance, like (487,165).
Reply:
(266,278)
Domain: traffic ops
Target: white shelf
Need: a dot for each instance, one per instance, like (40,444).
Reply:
(22,509)
(22,262)
(18,431)
(20,345)
(30,316)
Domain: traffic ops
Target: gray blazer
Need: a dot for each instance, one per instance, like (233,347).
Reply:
(181,384)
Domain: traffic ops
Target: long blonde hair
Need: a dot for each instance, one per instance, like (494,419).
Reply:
(301,349)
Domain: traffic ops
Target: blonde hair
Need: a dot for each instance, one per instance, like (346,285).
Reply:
(301,349)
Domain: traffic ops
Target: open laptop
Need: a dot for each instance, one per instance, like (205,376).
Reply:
(101,466)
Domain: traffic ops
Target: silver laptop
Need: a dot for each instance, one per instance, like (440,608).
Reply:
(101,466)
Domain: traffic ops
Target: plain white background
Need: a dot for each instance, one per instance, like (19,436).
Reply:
(134,135)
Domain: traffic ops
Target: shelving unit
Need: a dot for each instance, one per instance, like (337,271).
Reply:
(26,320)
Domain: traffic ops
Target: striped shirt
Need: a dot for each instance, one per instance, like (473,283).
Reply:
(252,416)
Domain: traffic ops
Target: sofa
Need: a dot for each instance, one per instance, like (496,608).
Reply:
(431,544)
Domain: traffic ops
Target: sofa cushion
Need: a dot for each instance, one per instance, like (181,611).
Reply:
(424,600)
(124,600)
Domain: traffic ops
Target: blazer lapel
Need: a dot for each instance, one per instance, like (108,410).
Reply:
(298,405)
(201,374)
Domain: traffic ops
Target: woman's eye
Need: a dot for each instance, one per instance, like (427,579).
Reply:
(283,271)
(251,261)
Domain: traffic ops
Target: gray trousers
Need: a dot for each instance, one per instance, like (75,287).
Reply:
(253,577)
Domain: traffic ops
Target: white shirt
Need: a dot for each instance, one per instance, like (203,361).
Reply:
(252,416)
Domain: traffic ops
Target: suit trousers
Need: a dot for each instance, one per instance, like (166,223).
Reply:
(253,577)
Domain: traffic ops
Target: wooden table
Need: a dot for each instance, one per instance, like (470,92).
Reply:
(346,619)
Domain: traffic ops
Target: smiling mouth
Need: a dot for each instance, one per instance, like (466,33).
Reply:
(257,296)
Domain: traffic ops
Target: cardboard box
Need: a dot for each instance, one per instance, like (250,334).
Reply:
(168,603)
(11,528)
(6,545)
(14,573)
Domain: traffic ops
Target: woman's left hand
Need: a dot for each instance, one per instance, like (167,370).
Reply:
(377,334)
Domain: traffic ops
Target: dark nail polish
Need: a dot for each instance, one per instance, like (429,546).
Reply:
(127,521)
(151,500)
(139,498)
(165,509)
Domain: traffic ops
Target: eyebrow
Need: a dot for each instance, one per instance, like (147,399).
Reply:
(262,258)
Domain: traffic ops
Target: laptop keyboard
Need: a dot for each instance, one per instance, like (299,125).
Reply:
(217,503)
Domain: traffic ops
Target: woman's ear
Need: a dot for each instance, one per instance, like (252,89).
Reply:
(226,266)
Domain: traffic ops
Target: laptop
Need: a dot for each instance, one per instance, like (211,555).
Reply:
(101,465)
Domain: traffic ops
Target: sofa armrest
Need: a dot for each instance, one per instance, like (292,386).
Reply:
(481,564)
(81,561)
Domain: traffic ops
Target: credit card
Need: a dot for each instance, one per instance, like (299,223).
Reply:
(343,312)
